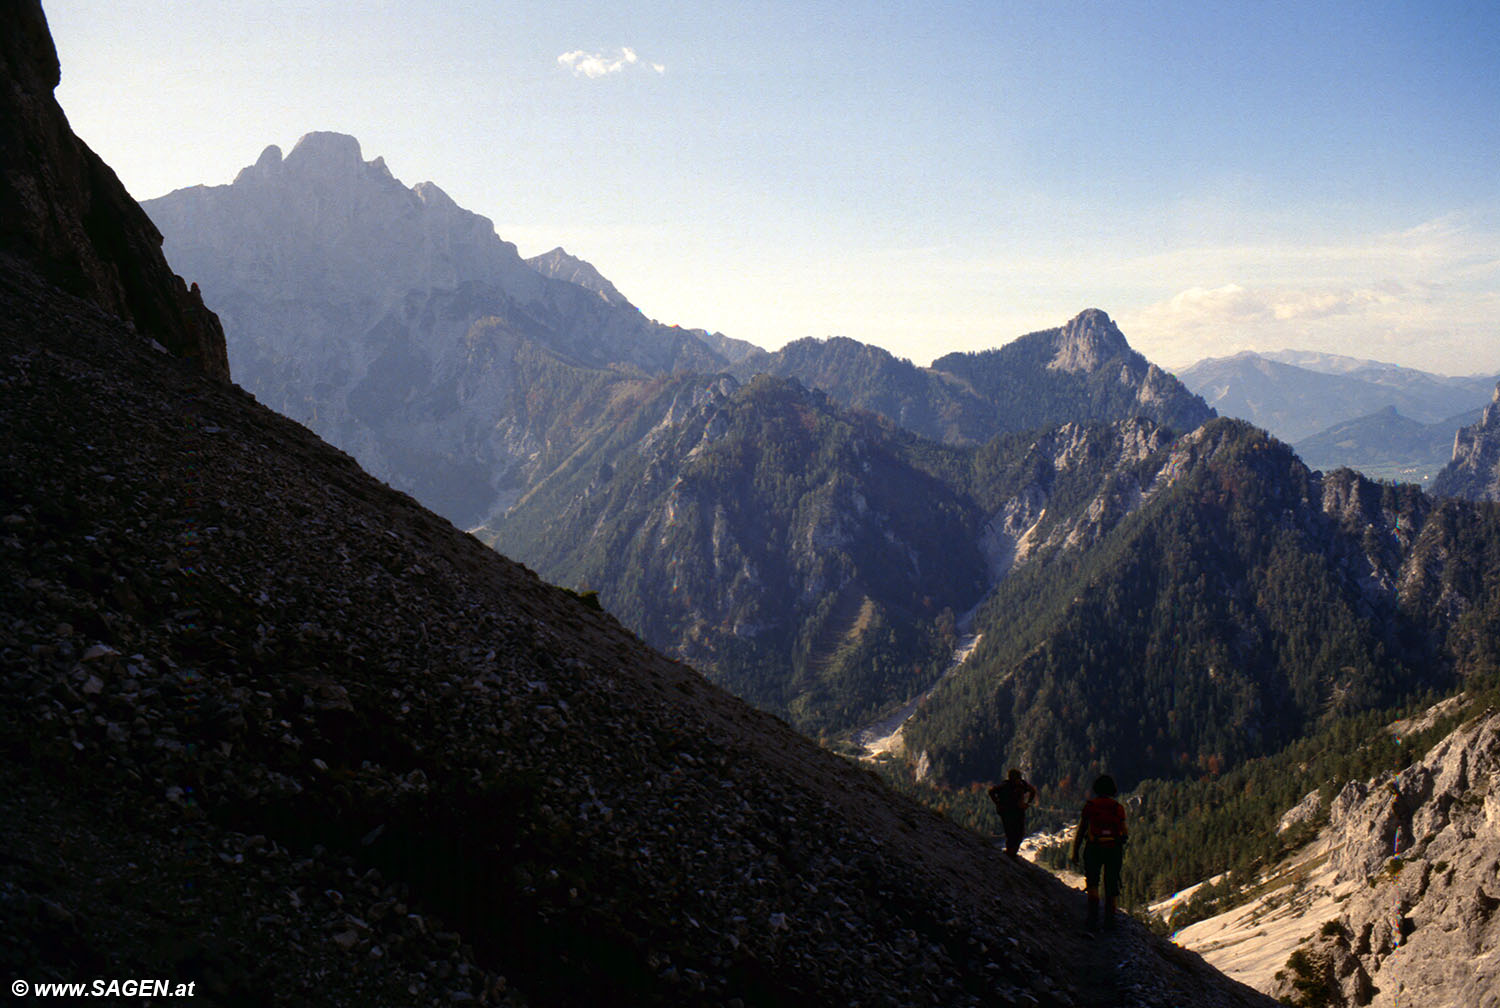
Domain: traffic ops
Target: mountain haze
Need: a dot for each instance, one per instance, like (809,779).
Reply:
(1295,396)
(274,729)
(352,297)
(1386,445)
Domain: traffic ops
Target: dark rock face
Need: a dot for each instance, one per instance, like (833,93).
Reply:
(65,215)
(1474,473)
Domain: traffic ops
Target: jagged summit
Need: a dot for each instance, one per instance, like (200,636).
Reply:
(1087,341)
(562,266)
(352,302)
(324,158)
(1474,472)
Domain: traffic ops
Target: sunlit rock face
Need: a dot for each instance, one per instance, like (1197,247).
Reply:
(394,322)
(1474,473)
(1420,861)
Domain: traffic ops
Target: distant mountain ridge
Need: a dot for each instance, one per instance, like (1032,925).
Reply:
(1081,372)
(1298,400)
(1338,410)
(1386,445)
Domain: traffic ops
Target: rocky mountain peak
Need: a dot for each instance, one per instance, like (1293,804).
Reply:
(325,153)
(1087,341)
(267,165)
(559,265)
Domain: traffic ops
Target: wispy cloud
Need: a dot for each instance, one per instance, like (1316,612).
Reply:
(1423,296)
(594,65)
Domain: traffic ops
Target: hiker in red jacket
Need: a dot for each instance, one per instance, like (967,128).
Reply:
(1101,835)
(1012,798)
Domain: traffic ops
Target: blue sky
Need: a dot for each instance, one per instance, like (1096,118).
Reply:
(1217,177)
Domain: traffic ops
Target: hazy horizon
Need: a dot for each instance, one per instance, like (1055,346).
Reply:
(1312,177)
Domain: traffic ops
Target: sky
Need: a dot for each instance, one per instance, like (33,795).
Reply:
(932,177)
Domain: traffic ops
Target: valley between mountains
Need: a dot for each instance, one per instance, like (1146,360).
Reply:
(286,715)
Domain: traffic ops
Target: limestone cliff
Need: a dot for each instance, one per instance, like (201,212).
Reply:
(1395,902)
(397,324)
(1474,473)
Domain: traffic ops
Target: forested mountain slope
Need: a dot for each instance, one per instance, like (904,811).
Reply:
(812,559)
(1245,602)
(800,554)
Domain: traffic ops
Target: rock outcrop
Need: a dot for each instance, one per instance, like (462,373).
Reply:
(1474,473)
(1395,903)
(1421,858)
(1088,340)
(65,215)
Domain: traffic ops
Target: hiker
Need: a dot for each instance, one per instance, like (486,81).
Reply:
(1012,797)
(1101,835)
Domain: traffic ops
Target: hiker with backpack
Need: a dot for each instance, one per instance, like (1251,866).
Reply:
(1101,835)
(1012,797)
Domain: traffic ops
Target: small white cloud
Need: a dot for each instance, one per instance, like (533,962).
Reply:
(594,65)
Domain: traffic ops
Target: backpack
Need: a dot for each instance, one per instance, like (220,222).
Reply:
(1007,797)
(1106,821)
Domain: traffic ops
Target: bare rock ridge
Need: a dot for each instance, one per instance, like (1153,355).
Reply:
(1397,900)
(1474,473)
(64,214)
(559,264)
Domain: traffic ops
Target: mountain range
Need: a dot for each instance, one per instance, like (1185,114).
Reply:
(274,727)
(751,512)
(1388,422)
(278,734)
(810,527)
